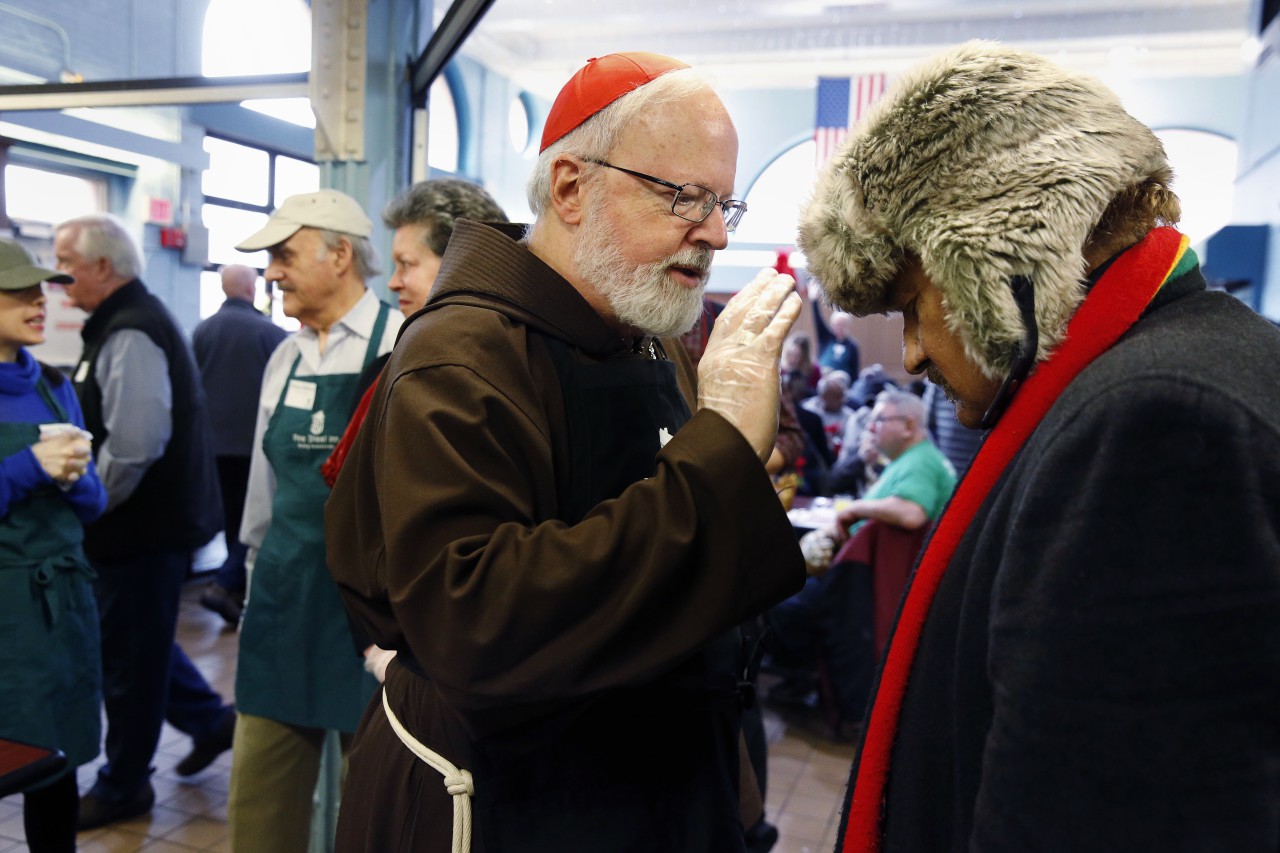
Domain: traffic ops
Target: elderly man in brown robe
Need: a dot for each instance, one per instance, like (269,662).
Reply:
(554,522)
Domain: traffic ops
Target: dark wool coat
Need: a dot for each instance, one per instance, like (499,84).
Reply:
(1100,667)
(563,654)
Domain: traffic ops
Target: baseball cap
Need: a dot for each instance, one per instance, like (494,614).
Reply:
(597,85)
(18,269)
(328,209)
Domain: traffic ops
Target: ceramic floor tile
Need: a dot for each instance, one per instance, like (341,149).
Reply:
(111,841)
(807,773)
(802,828)
(11,827)
(198,832)
(163,846)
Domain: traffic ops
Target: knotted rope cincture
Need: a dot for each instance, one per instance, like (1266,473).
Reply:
(456,780)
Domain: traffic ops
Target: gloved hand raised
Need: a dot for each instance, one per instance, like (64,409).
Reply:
(738,373)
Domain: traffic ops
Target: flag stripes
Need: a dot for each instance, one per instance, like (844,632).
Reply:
(842,102)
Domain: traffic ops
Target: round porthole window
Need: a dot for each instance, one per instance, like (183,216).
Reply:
(518,124)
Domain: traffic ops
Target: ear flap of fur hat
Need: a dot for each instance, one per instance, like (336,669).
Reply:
(985,163)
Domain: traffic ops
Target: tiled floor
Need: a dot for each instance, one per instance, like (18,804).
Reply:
(807,774)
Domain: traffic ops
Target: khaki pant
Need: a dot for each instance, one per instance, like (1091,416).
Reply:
(274,767)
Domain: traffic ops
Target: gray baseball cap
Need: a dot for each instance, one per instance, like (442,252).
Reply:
(18,269)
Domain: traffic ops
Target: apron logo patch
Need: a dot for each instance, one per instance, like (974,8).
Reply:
(317,422)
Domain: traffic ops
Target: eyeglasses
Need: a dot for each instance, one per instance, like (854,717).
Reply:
(880,419)
(692,203)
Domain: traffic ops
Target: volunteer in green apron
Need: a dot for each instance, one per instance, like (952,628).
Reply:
(50,665)
(299,664)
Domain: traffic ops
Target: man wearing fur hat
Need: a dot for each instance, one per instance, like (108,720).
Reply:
(1088,657)
(554,521)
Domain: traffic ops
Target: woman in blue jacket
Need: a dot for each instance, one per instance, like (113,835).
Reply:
(50,664)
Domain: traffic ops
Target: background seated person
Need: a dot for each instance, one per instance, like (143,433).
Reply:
(828,404)
(839,350)
(797,363)
(833,613)
(852,473)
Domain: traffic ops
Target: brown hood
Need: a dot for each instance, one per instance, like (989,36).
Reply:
(518,285)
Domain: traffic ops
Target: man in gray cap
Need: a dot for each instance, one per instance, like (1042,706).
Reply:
(1088,656)
(299,674)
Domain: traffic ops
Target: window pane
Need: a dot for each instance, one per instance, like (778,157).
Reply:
(293,177)
(228,226)
(1204,178)
(211,294)
(235,172)
(289,324)
(774,200)
(442,128)
(39,196)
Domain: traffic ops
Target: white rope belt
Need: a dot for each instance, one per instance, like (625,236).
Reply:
(456,780)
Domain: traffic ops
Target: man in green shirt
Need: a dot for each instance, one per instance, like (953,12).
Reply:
(917,482)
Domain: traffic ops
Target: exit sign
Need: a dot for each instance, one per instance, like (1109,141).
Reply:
(161,212)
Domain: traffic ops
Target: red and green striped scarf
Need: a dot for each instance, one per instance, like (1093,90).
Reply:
(1111,308)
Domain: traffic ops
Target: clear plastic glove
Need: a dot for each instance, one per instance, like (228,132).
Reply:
(64,456)
(738,373)
(376,660)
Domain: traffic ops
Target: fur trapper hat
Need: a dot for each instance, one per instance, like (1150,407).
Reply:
(986,163)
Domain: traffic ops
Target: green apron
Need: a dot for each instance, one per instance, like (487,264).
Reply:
(298,661)
(50,663)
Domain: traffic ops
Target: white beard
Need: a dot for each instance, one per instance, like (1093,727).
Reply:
(644,297)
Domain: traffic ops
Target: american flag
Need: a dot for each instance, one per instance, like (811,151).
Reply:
(841,103)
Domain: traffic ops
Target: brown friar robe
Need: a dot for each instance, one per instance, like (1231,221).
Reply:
(560,551)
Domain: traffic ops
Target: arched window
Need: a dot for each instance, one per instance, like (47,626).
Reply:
(775,198)
(1204,175)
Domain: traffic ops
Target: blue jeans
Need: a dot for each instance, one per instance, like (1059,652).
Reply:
(142,686)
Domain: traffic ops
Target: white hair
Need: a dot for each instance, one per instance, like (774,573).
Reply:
(362,251)
(596,137)
(101,235)
(906,404)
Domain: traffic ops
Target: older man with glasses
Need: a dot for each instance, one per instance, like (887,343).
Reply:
(557,524)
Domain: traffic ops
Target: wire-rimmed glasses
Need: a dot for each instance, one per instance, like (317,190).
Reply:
(692,203)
